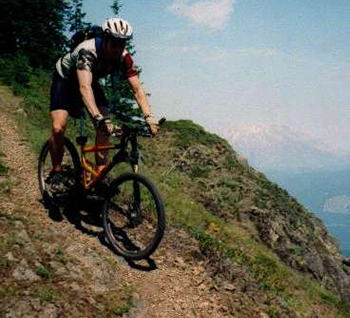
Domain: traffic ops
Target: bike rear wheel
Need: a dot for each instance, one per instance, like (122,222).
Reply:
(133,216)
(60,192)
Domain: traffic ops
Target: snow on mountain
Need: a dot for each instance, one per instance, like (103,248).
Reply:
(280,148)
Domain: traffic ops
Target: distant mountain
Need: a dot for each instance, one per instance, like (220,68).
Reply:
(280,148)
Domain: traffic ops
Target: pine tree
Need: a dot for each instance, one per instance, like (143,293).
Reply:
(9,10)
(33,28)
(77,16)
(116,7)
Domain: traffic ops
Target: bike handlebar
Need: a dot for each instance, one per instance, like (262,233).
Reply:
(141,129)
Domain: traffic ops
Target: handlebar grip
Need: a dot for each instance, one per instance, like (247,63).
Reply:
(145,134)
(117,131)
(161,121)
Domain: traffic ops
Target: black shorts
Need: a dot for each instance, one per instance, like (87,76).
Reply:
(65,95)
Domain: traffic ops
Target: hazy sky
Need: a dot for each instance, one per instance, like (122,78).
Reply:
(231,63)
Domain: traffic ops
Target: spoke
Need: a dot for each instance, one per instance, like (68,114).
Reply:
(129,223)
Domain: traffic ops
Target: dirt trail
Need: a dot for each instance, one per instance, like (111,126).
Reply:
(178,287)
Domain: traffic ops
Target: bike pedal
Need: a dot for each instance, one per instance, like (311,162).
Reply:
(95,197)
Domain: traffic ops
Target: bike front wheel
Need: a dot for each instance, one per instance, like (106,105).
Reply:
(133,216)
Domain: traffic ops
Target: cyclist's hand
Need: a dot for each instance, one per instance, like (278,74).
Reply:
(105,124)
(152,123)
(108,127)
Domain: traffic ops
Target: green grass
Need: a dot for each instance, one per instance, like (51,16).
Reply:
(5,183)
(43,272)
(4,262)
(7,242)
(6,186)
(8,291)
(3,168)
(190,133)
(45,294)
(113,262)
(60,255)
(121,309)
(117,302)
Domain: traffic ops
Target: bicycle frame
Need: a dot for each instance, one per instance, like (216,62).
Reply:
(90,176)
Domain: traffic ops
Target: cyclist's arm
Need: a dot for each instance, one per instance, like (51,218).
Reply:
(87,94)
(139,94)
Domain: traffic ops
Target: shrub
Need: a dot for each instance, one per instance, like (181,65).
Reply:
(16,71)
(189,133)
(200,172)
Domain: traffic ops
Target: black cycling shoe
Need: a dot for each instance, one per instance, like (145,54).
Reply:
(101,188)
(57,182)
(55,177)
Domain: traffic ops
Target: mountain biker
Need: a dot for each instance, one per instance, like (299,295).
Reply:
(75,85)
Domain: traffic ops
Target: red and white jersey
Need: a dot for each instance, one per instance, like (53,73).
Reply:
(88,56)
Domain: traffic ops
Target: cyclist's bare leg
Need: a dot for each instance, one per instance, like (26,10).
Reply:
(101,140)
(59,124)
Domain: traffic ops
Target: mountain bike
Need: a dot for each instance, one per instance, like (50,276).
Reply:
(132,212)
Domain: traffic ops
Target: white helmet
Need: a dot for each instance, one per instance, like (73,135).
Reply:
(118,28)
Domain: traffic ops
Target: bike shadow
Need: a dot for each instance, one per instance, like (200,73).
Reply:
(85,215)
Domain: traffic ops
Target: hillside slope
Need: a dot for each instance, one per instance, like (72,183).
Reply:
(236,244)
(227,187)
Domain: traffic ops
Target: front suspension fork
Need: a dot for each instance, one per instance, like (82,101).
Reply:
(134,155)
